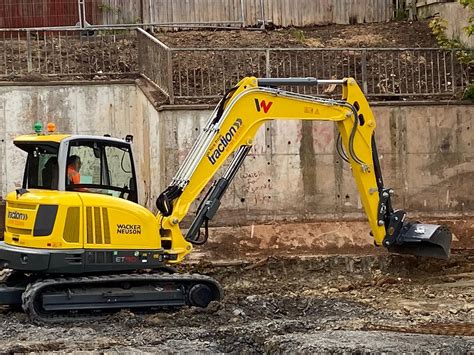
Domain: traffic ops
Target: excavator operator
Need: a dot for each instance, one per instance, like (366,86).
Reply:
(73,167)
(73,175)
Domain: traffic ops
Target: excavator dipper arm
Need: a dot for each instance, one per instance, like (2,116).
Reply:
(232,127)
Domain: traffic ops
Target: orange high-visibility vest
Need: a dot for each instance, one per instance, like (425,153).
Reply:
(73,176)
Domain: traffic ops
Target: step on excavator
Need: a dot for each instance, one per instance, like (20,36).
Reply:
(77,244)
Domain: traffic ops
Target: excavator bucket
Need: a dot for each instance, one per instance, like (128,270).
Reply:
(419,239)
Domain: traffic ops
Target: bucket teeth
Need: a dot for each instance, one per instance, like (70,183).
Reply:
(419,239)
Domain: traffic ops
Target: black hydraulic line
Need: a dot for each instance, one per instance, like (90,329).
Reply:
(224,99)
(352,136)
(379,179)
(206,211)
(164,202)
(377,169)
(340,149)
(210,204)
(275,82)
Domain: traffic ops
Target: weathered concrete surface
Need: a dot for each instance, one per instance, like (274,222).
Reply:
(86,109)
(292,174)
(2,218)
(456,16)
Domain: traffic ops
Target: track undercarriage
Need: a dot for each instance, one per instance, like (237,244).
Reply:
(72,297)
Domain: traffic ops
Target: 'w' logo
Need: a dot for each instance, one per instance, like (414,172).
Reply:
(263,105)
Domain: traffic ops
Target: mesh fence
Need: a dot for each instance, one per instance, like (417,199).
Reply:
(67,52)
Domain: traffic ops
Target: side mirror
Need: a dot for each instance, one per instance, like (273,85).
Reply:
(96,150)
(131,184)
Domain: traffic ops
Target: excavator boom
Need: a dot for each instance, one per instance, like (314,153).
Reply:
(232,127)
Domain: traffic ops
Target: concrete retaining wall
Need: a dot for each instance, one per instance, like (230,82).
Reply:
(293,172)
(74,108)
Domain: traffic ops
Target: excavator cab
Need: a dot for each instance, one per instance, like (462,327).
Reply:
(104,165)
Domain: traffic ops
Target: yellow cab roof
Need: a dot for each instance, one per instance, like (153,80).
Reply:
(41,138)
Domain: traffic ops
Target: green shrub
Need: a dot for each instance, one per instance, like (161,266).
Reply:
(297,34)
(469,93)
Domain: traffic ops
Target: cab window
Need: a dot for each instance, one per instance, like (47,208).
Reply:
(101,167)
(41,168)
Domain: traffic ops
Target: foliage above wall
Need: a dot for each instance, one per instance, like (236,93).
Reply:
(439,25)
(470,5)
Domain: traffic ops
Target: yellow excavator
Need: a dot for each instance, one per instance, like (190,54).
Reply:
(82,246)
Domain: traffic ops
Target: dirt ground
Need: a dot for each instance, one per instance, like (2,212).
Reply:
(319,303)
(286,239)
(389,34)
(280,298)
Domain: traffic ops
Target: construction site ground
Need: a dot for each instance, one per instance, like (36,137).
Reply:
(396,34)
(402,34)
(304,287)
(279,299)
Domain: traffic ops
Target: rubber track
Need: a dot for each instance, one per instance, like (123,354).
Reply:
(33,290)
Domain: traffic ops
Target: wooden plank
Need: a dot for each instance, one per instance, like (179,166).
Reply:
(277,12)
(177,9)
(225,11)
(203,13)
(168,16)
(280,12)
(286,19)
(249,8)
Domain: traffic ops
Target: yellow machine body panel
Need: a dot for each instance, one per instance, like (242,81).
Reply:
(113,223)
(55,138)
(69,220)
(23,219)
